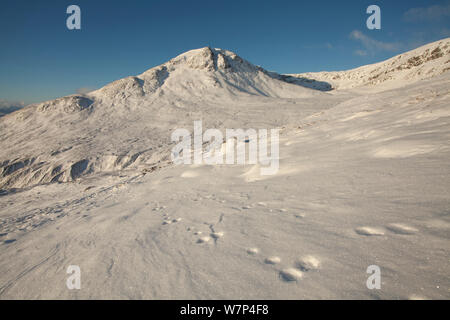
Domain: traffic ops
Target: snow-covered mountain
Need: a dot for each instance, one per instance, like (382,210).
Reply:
(422,63)
(363,180)
(127,121)
(200,71)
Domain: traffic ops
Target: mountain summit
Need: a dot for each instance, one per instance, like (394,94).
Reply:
(194,73)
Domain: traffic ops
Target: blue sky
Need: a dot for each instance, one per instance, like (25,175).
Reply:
(41,59)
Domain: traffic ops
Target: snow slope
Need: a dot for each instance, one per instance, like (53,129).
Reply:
(363,180)
(422,63)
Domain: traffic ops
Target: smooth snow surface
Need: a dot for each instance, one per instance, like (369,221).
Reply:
(364,180)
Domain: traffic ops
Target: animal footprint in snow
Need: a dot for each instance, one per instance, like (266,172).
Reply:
(204,240)
(291,274)
(272,260)
(262,204)
(369,231)
(169,220)
(217,235)
(252,251)
(401,228)
(308,263)
(189,174)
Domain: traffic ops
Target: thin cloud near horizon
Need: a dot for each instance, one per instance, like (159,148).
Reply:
(432,13)
(372,46)
(10,106)
(84,90)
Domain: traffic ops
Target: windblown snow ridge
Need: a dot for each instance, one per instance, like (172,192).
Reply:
(422,63)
